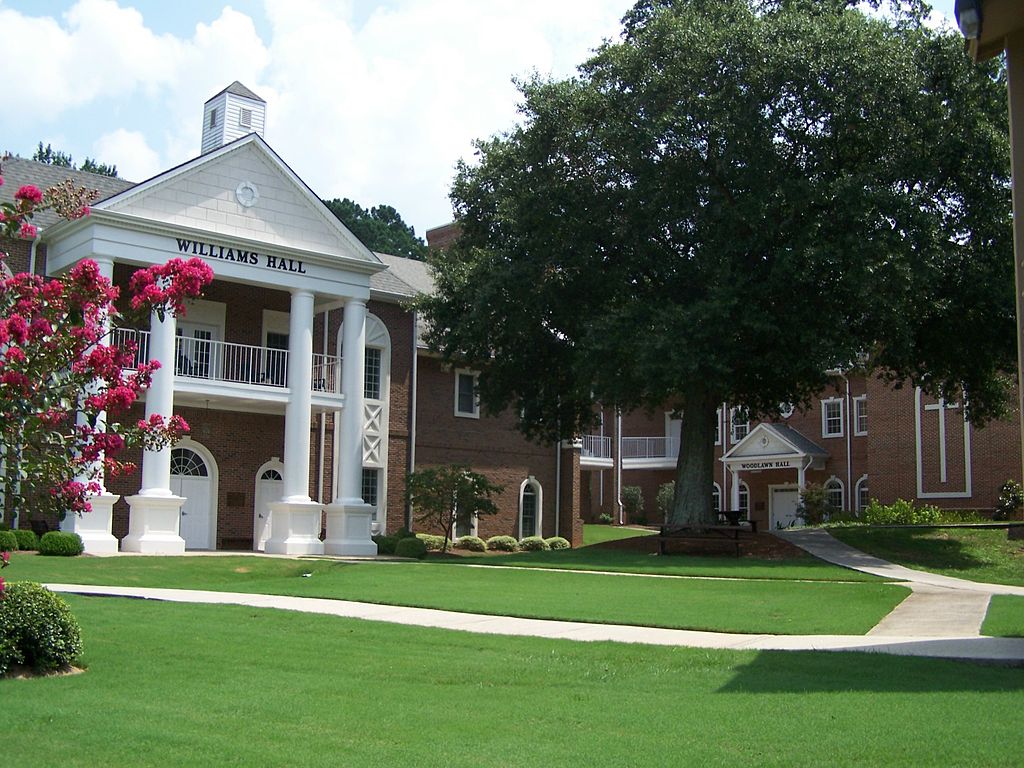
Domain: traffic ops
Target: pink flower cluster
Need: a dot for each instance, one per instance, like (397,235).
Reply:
(165,287)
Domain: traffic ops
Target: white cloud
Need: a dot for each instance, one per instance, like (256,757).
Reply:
(377,107)
(130,152)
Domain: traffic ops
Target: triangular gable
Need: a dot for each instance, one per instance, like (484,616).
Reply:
(245,190)
(768,442)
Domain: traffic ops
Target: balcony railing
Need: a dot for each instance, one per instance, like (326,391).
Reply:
(234,363)
(596,447)
(650,447)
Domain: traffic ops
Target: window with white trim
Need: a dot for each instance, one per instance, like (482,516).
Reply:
(369,488)
(860,415)
(863,496)
(716,498)
(467,404)
(371,374)
(529,508)
(744,499)
(718,427)
(740,420)
(832,417)
(834,493)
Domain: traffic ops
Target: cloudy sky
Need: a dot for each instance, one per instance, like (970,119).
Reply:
(367,99)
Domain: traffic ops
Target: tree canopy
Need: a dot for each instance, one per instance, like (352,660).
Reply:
(380,228)
(52,156)
(728,204)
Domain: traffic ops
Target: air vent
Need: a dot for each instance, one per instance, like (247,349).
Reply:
(245,118)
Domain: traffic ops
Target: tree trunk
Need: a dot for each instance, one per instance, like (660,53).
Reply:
(691,502)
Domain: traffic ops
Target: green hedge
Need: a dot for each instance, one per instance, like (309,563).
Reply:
(533,544)
(557,542)
(411,547)
(37,629)
(61,544)
(8,541)
(472,543)
(432,542)
(503,544)
(27,540)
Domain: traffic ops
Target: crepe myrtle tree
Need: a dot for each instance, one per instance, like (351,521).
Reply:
(63,383)
(446,495)
(730,203)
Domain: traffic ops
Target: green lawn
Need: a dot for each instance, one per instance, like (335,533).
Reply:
(182,685)
(596,534)
(977,554)
(593,559)
(746,606)
(1005,617)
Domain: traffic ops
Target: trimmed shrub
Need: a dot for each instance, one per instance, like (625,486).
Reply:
(27,540)
(901,512)
(61,544)
(37,629)
(433,543)
(411,547)
(385,544)
(8,541)
(557,542)
(503,544)
(403,533)
(533,544)
(604,518)
(472,543)
(633,502)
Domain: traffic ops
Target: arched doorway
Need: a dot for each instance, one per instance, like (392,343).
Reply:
(269,488)
(194,477)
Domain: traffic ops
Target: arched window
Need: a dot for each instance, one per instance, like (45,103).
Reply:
(744,499)
(716,498)
(530,496)
(834,493)
(271,474)
(863,497)
(187,463)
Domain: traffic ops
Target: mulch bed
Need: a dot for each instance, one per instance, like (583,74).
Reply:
(764,546)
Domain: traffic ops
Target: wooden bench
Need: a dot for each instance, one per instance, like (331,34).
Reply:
(730,533)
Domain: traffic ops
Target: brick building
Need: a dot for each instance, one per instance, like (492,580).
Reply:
(861,441)
(301,370)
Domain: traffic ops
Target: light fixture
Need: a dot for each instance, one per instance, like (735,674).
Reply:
(968,18)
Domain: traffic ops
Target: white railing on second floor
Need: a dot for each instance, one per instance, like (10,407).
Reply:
(234,363)
(596,447)
(326,373)
(650,447)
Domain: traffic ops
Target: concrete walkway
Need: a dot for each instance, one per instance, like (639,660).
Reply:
(940,619)
(989,649)
(938,606)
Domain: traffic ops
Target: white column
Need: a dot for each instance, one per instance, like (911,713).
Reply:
(94,527)
(295,519)
(734,503)
(348,516)
(155,518)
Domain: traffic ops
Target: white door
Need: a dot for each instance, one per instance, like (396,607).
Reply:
(784,502)
(190,478)
(269,488)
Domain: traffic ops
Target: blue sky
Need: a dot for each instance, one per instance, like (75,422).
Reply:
(375,101)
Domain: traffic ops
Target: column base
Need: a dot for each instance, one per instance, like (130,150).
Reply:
(348,530)
(295,528)
(153,525)
(94,527)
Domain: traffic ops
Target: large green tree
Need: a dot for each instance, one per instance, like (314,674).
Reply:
(733,200)
(380,228)
(52,156)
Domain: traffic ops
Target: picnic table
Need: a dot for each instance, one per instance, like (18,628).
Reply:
(731,533)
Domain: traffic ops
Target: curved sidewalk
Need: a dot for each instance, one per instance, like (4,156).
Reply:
(991,649)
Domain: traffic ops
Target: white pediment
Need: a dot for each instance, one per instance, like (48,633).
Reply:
(762,442)
(242,190)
